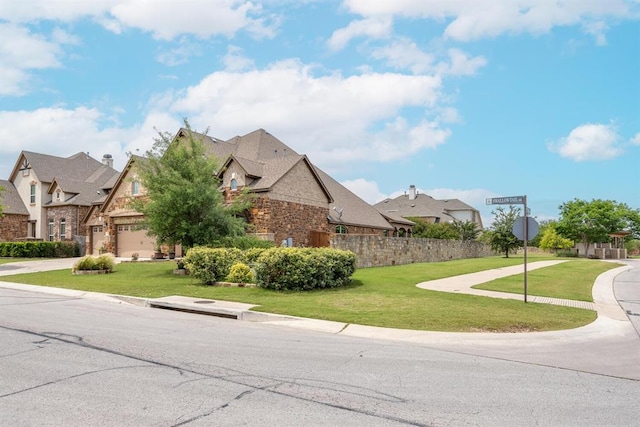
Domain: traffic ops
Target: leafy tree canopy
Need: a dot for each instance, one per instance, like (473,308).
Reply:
(552,240)
(182,203)
(592,222)
(438,230)
(501,237)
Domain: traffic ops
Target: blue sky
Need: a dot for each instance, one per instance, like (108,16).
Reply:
(466,99)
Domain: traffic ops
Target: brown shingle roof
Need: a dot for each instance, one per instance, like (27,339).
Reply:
(10,199)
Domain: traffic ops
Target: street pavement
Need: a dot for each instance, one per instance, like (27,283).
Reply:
(608,346)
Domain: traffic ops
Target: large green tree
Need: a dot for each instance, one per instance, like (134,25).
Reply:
(431,230)
(500,236)
(182,203)
(592,222)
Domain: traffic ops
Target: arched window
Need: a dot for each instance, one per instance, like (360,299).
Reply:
(234,184)
(135,187)
(51,229)
(63,229)
(341,229)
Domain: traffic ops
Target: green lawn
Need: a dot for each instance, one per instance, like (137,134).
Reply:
(566,280)
(385,296)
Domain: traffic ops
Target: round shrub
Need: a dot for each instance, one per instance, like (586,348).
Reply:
(210,265)
(240,273)
(304,268)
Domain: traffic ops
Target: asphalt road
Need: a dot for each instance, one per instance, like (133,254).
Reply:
(79,362)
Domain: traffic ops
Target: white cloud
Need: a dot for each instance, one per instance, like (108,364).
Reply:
(366,190)
(589,142)
(235,60)
(21,52)
(329,117)
(460,64)
(179,54)
(635,140)
(404,53)
(477,19)
(203,18)
(371,27)
(63,132)
(164,19)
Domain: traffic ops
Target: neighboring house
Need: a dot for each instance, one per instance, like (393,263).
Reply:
(57,192)
(295,201)
(13,224)
(113,226)
(413,204)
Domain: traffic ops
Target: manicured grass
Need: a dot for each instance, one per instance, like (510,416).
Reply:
(568,280)
(377,296)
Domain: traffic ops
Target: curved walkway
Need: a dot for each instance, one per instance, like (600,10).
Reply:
(463,284)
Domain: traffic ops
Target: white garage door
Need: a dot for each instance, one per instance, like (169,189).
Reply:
(132,239)
(97,239)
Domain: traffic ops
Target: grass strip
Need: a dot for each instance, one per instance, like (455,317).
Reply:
(382,296)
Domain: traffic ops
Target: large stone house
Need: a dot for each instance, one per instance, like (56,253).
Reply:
(413,204)
(295,202)
(47,197)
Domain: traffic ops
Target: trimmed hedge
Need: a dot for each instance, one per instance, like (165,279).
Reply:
(39,249)
(302,269)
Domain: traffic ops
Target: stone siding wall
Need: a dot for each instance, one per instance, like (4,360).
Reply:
(377,251)
(288,219)
(13,227)
(72,216)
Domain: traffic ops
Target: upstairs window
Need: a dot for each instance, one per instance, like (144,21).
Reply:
(234,184)
(135,187)
(32,196)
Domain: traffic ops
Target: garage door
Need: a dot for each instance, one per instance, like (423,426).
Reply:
(97,239)
(132,239)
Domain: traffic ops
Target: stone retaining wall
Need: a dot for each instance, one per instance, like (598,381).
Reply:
(378,251)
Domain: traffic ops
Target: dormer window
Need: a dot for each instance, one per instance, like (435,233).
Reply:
(58,191)
(234,184)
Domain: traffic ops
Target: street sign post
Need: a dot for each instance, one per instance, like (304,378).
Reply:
(523,227)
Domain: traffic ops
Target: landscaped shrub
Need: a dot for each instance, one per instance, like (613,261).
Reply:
(85,263)
(39,249)
(105,262)
(304,268)
(211,265)
(567,253)
(252,254)
(243,242)
(102,262)
(240,273)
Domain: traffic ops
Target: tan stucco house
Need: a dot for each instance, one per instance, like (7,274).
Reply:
(55,192)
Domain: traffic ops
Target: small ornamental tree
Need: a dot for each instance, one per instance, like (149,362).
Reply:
(182,203)
(501,237)
(551,240)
